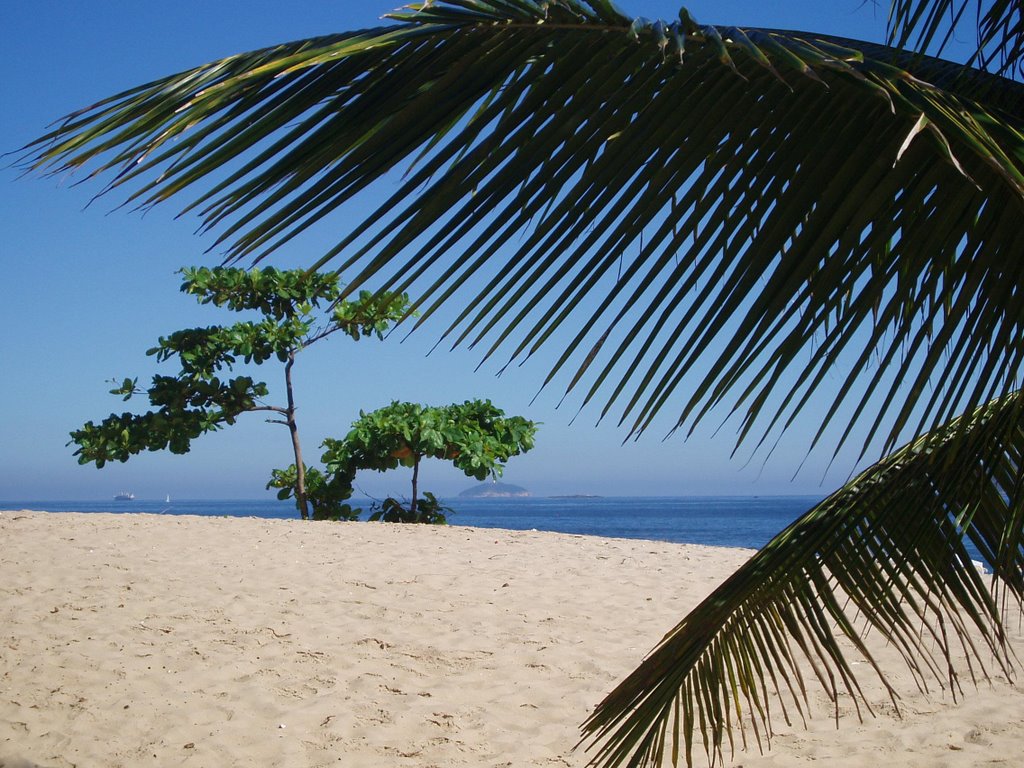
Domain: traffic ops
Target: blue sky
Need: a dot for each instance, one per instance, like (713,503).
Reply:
(88,289)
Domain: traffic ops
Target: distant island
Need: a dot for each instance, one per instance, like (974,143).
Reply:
(494,491)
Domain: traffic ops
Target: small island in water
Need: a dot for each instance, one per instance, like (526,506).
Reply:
(495,491)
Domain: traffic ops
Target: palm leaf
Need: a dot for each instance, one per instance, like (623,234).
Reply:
(932,25)
(722,218)
(889,548)
(707,204)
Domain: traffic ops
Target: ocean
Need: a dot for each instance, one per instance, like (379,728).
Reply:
(723,521)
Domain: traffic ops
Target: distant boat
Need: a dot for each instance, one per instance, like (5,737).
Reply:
(125,496)
(168,499)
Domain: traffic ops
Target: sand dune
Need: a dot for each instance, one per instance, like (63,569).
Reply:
(135,640)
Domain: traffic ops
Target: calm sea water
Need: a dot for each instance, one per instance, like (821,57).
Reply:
(725,521)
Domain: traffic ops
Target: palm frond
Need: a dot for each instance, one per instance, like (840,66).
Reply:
(723,218)
(887,548)
(932,25)
(708,205)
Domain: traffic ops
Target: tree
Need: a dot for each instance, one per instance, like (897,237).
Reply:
(475,436)
(728,219)
(197,401)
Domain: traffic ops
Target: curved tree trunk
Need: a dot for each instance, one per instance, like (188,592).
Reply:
(300,468)
(415,484)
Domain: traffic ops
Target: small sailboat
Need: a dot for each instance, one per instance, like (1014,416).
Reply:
(168,499)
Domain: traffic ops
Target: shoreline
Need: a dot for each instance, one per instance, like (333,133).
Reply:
(746,522)
(142,639)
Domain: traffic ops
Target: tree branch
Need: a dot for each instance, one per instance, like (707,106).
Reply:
(321,334)
(274,408)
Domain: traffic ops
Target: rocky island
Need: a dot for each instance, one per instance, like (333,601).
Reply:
(495,491)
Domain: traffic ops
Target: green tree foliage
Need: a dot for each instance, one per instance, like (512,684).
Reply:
(727,220)
(299,309)
(326,494)
(475,436)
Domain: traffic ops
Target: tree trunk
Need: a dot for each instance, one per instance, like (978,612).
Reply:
(415,481)
(300,468)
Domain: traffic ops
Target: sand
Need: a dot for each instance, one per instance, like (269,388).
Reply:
(140,640)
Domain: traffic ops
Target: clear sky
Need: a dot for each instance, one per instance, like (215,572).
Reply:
(87,290)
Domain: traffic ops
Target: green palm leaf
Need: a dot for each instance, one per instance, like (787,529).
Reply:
(889,548)
(933,24)
(722,218)
(734,199)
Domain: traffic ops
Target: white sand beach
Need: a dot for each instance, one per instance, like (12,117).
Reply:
(141,640)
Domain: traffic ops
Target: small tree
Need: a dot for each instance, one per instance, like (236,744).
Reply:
(197,400)
(326,495)
(475,436)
